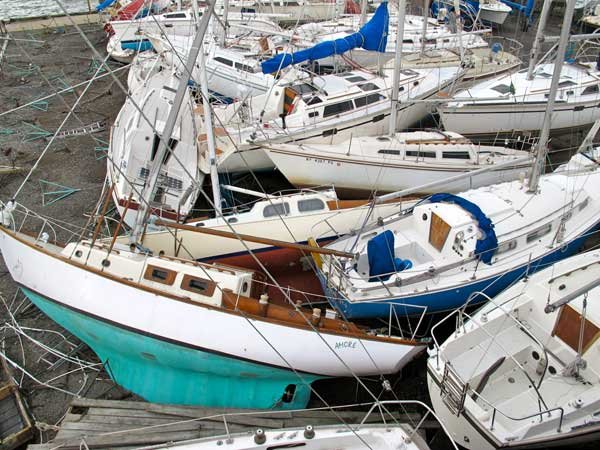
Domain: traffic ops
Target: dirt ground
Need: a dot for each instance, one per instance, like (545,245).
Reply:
(29,71)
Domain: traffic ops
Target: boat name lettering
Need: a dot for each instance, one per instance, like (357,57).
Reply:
(345,344)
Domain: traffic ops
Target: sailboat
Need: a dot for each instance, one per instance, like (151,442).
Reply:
(387,434)
(135,137)
(127,38)
(514,105)
(391,163)
(157,323)
(522,371)
(450,248)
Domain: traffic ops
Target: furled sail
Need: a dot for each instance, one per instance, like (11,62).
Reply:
(372,36)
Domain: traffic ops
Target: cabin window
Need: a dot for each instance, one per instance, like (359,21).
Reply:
(172,144)
(278,209)
(566,83)
(369,99)
(304,88)
(314,100)
(593,89)
(502,88)
(313,114)
(160,275)
(420,154)
(227,62)
(311,204)
(456,155)
(408,72)
(244,67)
(539,232)
(584,204)
(368,86)
(198,285)
(407,41)
(338,108)
(175,16)
(506,246)
(388,151)
(356,79)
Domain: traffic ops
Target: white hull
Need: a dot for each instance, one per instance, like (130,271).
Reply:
(526,119)
(99,295)
(493,15)
(309,168)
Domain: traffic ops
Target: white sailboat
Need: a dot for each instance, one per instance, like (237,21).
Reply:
(512,105)
(135,137)
(387,435)
(128,37)
(522,371)
(233,72)
(392,163)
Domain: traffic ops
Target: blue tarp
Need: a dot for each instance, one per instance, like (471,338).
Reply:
(105,4)
(382,262)
(485,247)
(372,36)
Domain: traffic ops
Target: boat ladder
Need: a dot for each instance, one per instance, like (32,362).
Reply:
(453,390)
(87,129)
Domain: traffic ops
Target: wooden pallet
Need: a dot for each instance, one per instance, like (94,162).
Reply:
(16,428)
(113,424)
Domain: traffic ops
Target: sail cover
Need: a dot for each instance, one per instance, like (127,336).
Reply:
(487,245)
(105,4)
(372,36)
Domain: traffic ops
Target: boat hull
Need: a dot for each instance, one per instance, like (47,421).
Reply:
(516,119)
(354,176)
(463,430)
(165,372)
(450,298)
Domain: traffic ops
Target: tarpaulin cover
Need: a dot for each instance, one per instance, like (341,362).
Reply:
(372,36)
(485,247)
(382,262)
(105,4)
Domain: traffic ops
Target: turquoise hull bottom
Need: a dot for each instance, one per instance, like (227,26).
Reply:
(165,372)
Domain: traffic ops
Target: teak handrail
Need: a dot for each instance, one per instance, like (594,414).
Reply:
(256,239)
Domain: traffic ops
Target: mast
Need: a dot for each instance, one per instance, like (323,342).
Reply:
(210,137)
(225,24)
(149,191)
(424,29)
(397,62)
(539,38)
(542,145)
(363,12)
(458,21)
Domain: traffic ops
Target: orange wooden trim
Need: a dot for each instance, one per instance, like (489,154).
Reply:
(210,285)
(171,275)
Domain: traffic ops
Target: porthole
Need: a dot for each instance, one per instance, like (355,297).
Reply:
(552,370)
(105,263)
(78,253)
(424,216)
(535,355)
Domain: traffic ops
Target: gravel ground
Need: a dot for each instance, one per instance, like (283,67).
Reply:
(74,162)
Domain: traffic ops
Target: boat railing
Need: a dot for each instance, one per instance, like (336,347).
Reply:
(383,408)
(46,229)
(460,324)
(539,414)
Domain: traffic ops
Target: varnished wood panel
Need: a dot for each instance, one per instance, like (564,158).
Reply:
(438,231)
(567,329)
